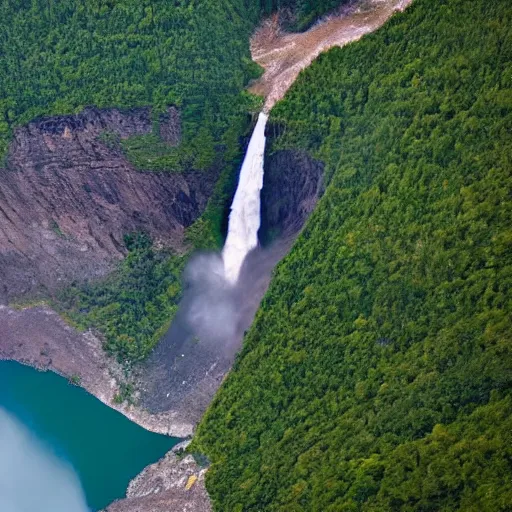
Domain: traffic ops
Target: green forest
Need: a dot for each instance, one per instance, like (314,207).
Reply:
(58,57)
(377,375)
(134,306)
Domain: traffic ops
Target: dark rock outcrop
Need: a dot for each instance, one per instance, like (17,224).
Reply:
(292,185)
(67,198)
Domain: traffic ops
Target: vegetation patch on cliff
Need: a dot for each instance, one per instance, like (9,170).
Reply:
(377,375)
(305,12)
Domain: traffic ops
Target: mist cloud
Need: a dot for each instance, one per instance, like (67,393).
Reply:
(217,311)
(32,479)
(208,306)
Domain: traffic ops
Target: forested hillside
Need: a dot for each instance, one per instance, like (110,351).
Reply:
(58,57)
(377,375)
(306,11)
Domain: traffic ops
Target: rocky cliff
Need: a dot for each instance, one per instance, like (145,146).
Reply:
(67,198)
(292,185)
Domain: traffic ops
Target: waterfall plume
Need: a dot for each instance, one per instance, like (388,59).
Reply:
(244,219)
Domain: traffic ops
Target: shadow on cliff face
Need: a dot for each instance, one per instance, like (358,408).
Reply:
(188,365)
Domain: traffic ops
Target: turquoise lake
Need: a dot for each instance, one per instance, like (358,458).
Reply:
(105,449)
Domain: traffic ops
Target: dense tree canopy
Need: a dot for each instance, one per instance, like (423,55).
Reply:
(305,11)
(377,375)
(59,56)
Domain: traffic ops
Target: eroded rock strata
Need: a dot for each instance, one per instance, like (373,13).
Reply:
(67,198)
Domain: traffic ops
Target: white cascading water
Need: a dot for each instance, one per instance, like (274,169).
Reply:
(244,219)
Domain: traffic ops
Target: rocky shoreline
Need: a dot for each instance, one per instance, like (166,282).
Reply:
(39,337)
(174,483)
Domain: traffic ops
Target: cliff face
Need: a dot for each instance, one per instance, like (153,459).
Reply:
(67,199)
(292,185)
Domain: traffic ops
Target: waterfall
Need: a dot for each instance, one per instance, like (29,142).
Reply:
(244,219)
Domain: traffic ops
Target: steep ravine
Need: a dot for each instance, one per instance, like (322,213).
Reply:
(39,337)
(184,377)
(284,55)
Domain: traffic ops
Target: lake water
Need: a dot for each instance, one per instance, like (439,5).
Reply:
(104,449)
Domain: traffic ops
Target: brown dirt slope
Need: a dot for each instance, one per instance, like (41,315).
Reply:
(67,199)
(284,55)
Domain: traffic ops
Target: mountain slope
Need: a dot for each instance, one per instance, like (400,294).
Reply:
(377,375)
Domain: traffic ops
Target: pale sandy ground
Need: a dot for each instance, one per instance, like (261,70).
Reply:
(285,55)
(173,484)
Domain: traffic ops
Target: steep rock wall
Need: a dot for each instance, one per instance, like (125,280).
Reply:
(67,199)
(291,187)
